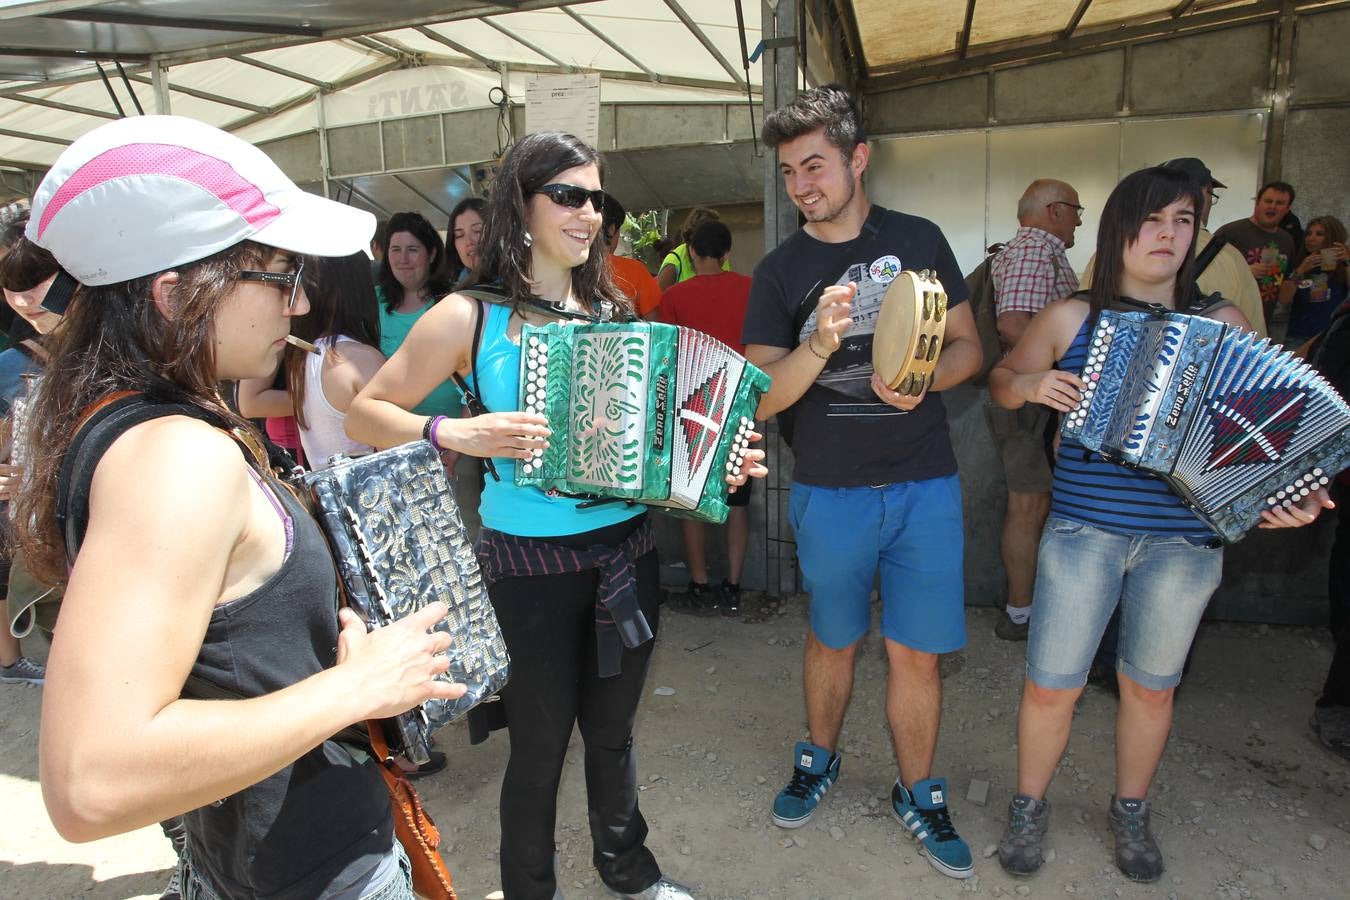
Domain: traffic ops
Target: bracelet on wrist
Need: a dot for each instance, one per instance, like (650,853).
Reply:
(811,345)
(429,431)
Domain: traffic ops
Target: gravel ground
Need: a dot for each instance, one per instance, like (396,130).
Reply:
(1246,803)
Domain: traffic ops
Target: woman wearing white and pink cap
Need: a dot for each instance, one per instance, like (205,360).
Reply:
(195,567)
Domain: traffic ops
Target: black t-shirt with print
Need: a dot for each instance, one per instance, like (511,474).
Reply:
(844,435)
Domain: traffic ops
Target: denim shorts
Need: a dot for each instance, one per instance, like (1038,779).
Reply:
(397,885)
(911,531)
(1162,584)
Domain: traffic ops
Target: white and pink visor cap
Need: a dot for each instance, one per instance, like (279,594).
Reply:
(142,195)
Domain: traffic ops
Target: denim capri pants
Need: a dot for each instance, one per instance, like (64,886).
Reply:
(1162,584)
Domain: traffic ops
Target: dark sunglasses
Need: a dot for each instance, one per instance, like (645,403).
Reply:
(572,196)
(282,280)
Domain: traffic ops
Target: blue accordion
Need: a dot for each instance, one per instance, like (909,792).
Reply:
(1231,422)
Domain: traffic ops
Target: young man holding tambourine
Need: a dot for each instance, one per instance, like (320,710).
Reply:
(875,485)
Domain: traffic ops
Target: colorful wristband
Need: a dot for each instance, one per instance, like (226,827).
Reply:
(429,431)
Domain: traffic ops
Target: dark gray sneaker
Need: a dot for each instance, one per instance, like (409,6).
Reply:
(1331,724)
(1007,630)
(1137,853)
(24,671)
(1021,850)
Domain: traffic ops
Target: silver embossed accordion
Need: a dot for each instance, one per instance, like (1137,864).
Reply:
(643,411)
(1233,423)
(399,543)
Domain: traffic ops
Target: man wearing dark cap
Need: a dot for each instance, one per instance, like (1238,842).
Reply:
(1227,272)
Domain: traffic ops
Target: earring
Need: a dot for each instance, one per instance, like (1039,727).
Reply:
(529,240)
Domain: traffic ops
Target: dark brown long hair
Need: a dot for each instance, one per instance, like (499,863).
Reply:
(503,255)
(438,280)
(341,302)
(1139,195)
(23,266)
(114,338)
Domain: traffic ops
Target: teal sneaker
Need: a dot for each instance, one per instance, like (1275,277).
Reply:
(813,774)
(924,812)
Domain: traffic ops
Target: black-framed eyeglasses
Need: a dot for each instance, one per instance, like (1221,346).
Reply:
(1077,209)
(573,196)
(1214,196)
(278,279)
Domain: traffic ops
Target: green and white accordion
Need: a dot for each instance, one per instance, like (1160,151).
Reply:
(643,411)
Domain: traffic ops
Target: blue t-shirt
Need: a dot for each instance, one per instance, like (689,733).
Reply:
(525,511)
(445,400)
(1089,488)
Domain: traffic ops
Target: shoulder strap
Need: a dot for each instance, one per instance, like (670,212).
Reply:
(1209,254)
(492,293)
(472,401)
(102,424)
(839,263)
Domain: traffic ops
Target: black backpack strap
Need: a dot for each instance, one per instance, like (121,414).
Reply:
(96,434)
(1209,254)
(472,401)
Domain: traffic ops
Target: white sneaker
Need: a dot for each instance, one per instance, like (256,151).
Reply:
(664,889)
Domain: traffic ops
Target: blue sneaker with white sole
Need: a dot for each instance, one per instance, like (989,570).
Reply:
(923,811)
(814,771)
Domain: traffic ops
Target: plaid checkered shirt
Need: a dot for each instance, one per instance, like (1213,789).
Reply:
(1031,271)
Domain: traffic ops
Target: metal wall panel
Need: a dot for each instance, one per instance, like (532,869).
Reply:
(1227,69)
(661,125)
(969,182)
(1320,57)
(1083,87)
(298,156)
(1230,145)
(940,177)
(1315,162)
(471,135)
(354,149)
(959,103)
(1086,156)
(413,143)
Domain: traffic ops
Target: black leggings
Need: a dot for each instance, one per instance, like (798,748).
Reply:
(1336,690)
(548,622)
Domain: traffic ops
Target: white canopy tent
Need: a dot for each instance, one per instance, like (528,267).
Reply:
(259,68)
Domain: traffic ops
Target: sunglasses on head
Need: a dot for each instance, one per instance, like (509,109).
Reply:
(572,196)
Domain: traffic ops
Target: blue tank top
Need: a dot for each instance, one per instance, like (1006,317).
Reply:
(1088,488)
(525,511)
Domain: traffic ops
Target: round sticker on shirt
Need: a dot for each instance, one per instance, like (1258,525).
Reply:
(884,270)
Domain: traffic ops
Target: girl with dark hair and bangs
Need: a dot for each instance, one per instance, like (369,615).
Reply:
(1115,535)
(203,666)
(574,585)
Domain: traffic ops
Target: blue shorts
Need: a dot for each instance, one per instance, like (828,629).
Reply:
(1161,582)
(912,532)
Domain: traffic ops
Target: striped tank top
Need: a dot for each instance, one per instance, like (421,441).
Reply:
(1088,488)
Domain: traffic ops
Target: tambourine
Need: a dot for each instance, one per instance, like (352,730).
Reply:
(909,332)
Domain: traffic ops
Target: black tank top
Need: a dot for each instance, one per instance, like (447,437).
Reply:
(322,824)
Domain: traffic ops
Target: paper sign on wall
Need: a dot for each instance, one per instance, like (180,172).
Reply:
(568,103)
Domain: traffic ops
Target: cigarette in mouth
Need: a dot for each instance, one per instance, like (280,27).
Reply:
(301,343)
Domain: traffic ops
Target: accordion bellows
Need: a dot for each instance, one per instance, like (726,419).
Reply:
(644,411)
(1233,423)
(399,543)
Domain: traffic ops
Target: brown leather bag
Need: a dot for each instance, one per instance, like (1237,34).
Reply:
(413,826)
